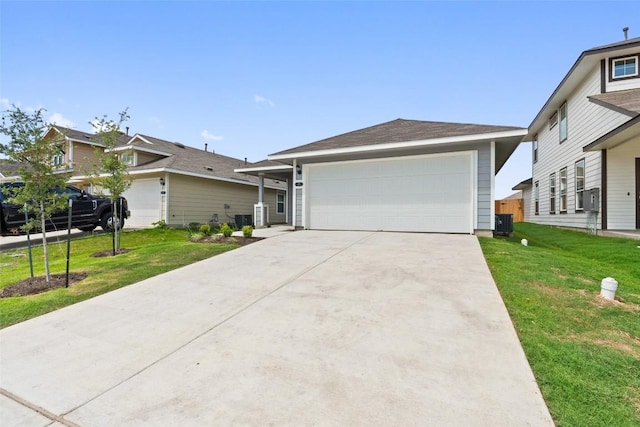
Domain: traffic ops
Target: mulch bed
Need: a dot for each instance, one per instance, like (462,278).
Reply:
(37,285)
(110,253)
(237,240)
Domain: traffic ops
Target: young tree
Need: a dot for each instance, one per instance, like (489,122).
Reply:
(28,147)
(110,169)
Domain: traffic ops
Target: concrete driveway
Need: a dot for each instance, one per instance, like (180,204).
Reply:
(306,328)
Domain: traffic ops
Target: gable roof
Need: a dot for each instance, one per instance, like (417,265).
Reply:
(397,131)
(624,101)
(86,137)
(187,160)
(583,65)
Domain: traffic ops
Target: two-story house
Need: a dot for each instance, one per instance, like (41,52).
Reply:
(586,142)
(171,182)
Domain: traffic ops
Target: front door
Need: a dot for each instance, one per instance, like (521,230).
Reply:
(638,192)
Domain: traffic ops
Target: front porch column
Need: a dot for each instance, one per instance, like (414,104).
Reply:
(260,210)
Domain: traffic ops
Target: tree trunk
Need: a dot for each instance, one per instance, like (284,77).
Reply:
(45,248)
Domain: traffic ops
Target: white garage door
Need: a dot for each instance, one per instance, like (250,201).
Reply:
(419,193)
(144,202)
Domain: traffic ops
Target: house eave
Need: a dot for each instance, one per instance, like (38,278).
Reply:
(492,136)
(617,136)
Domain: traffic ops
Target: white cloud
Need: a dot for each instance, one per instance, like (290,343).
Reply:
(262,100)
(60,120)
(5,104)
(208,135)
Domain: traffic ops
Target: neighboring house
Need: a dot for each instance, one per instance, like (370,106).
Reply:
(513,204)
(403,175)
(587,137)
(172,182)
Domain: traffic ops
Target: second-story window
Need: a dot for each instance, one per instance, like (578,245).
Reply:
(534,145)
(58,159)
(563,122)
(127,158)
(624,67)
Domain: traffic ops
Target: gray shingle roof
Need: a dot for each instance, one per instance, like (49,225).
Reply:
(192,160)
(89,137)
(398,130)
(624,101)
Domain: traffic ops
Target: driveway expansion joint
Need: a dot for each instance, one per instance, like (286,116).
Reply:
(36,408)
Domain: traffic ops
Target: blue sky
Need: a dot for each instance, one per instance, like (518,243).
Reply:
(254,78)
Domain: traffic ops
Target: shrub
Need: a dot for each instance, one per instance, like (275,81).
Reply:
(226,230)
(194,226)
(205,229)
(160,224)
(247,231)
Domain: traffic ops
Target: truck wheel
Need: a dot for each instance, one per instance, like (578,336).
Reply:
(107,224)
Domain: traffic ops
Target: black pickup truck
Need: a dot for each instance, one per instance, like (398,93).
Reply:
(88,211)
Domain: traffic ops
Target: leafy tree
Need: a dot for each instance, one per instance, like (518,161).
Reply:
(110,169)
(28,147)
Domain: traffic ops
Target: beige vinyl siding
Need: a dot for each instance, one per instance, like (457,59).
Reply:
(193,199)
(586,122)
(83,157)
(143,158)
(621,212)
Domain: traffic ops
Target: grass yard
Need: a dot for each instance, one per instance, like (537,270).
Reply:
(584,351)
(153,252)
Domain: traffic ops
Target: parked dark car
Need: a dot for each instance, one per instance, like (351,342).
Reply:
(88,211)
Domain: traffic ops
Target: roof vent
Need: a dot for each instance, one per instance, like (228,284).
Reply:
(179,144)
(209,168)
(625,30)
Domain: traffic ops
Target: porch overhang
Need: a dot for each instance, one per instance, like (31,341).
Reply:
(279,172)
(617,136)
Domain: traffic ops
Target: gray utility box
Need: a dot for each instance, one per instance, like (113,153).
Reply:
(503,225)
(242,220)
(591,200)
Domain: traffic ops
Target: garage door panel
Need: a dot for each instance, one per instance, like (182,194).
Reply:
(144,202)
(428,193)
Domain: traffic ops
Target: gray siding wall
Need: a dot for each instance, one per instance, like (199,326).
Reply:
(485,202)
(298,207)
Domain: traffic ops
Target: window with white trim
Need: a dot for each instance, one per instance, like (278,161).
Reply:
(624,67)
(58,159)
(553,120)
(127,158)
(280,202)
(579,185)
(534,145)
(536,197)
(563,190)
(552,193)
(563,122)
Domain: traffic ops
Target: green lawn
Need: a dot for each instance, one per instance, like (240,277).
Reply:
(153,252)
(584,351)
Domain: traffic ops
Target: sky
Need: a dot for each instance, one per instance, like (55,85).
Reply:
(254,78)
